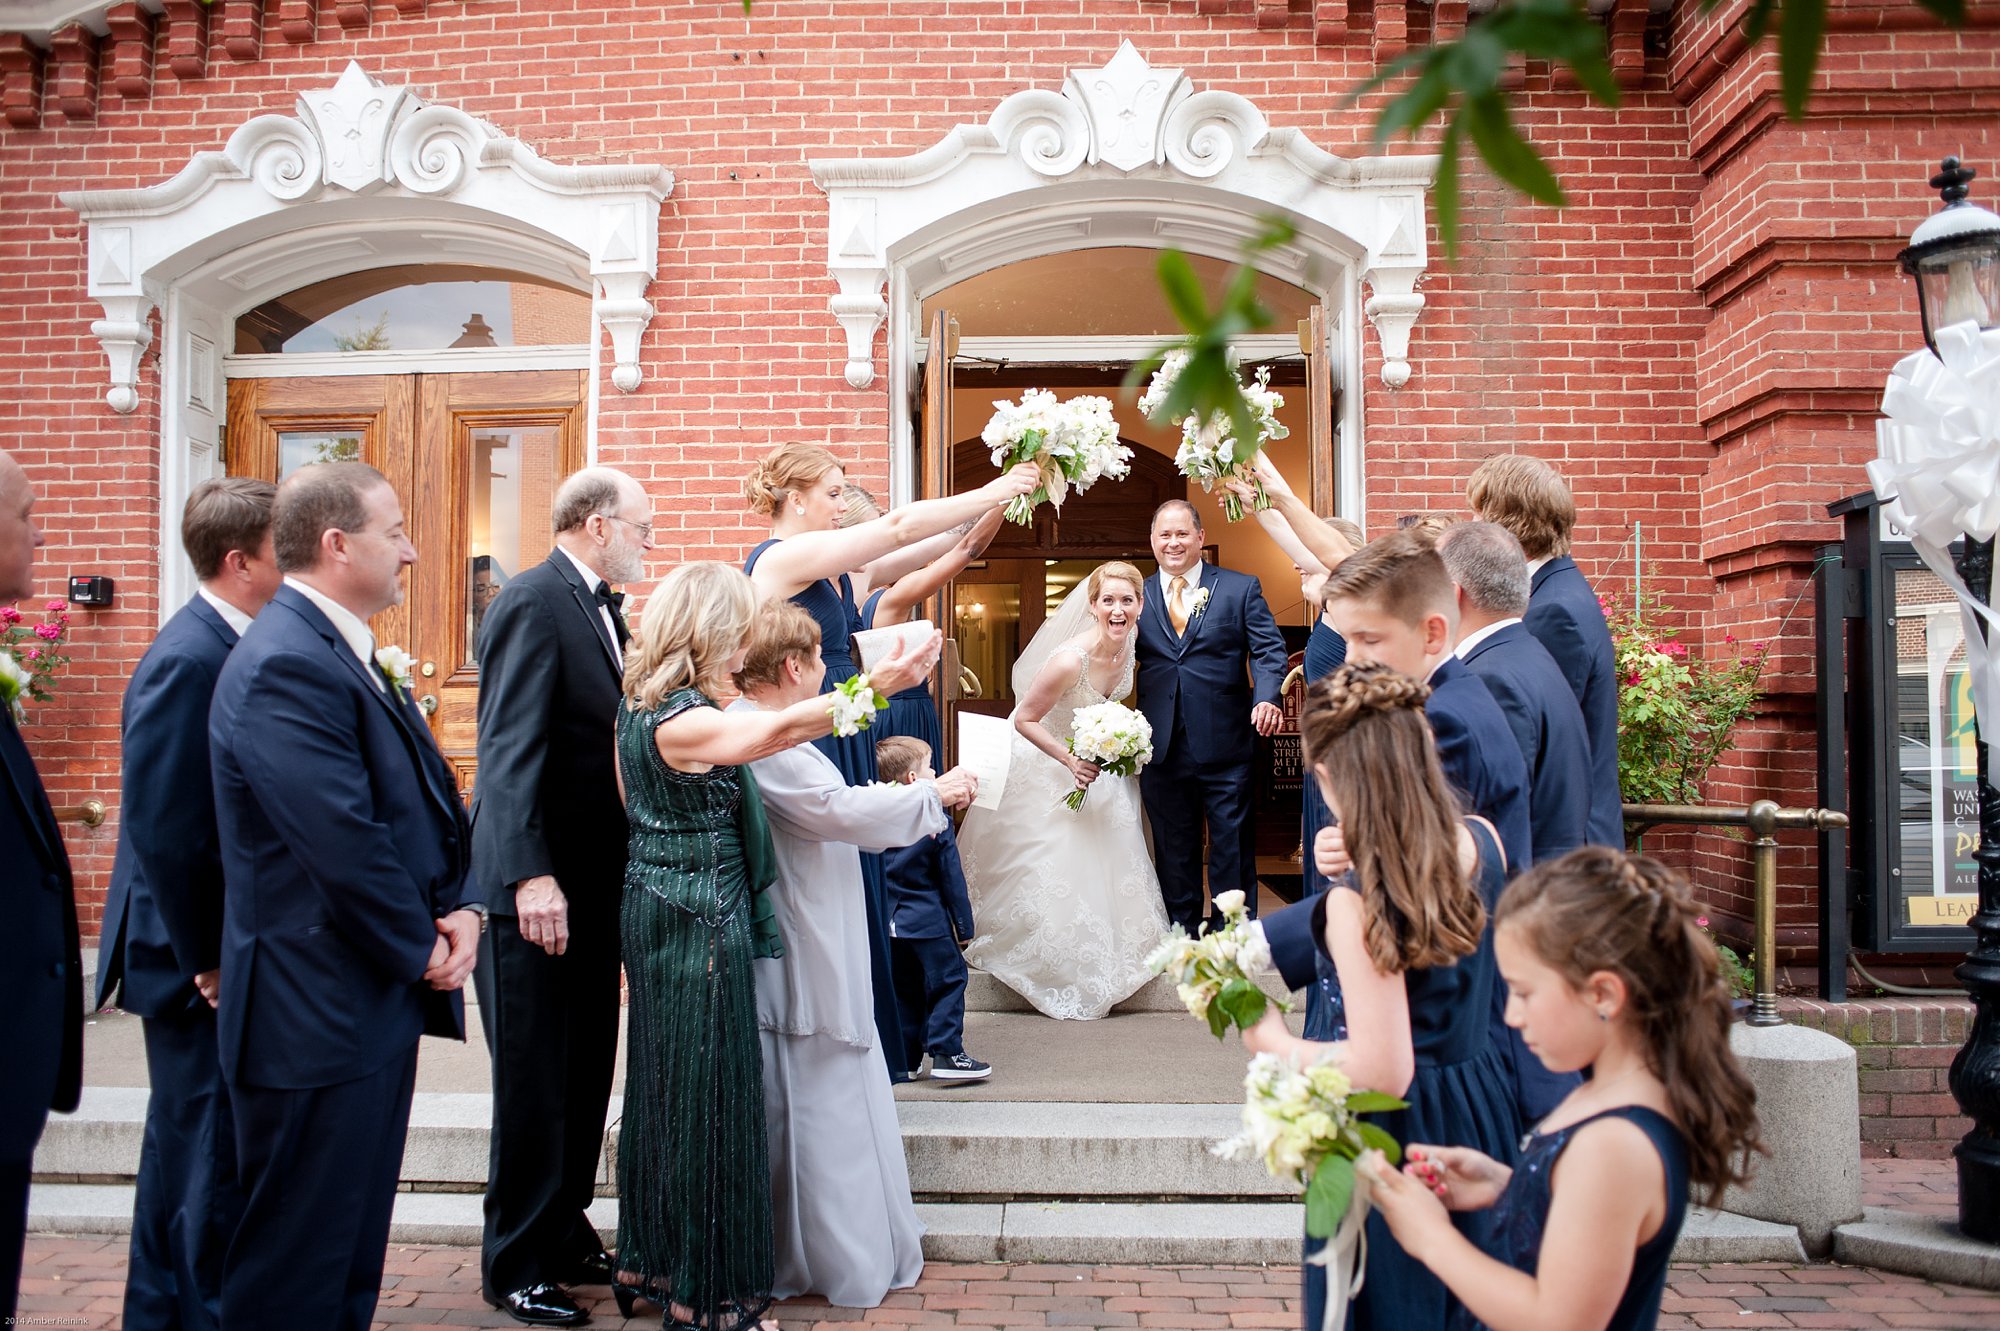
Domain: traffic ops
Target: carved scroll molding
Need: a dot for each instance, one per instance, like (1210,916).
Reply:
(377,159)
(1123,153)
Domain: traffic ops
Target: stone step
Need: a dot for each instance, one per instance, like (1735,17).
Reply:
(983,993)
(957,1149)
(1079,1232)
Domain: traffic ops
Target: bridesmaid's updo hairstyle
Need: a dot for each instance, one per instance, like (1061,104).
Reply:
(780,632)
(787,469)
(1115,571)
(1601,910)
(695,620)
(1367,742)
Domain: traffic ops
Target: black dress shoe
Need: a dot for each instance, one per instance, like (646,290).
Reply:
(595,1269)
(545,1304)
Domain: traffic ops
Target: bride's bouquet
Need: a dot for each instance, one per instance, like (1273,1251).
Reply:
(1112,735)
(1305,1124)
(1216,973)
(1074,443)
(1210,453)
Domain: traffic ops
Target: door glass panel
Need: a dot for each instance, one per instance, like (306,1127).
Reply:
(417,308)
(300,448)
(514,475)
(987,617)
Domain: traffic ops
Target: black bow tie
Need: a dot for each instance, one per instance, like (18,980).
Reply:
(605,596)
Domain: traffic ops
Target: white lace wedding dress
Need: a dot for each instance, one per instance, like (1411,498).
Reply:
(1066,905)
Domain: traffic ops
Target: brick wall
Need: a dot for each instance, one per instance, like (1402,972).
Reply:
(1904,1048)
(1653,340)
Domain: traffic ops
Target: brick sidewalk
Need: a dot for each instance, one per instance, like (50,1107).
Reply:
(78,1282)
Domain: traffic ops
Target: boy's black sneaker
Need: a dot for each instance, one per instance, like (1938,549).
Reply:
(959,1067)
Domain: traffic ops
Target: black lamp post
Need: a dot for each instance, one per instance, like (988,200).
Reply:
(1955,258)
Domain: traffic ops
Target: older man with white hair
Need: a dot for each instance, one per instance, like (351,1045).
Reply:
(548,848)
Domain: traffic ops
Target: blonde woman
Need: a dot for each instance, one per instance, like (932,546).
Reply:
(694,1185)
(811,560)
(1067,902)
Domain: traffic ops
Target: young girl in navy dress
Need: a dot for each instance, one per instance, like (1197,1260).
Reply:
(1606,968)
(1406,933)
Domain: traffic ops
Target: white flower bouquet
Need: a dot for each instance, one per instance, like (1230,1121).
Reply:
(1112,735)
(14,682)
(1210,453)
(1216,973)
(1305,1124)
(852,704)
(1075,443)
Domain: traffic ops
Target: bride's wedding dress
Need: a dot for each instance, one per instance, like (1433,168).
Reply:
(1066,905)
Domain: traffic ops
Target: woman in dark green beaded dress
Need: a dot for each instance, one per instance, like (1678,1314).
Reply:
(694,1183)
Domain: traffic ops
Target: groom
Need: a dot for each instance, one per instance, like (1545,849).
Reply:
(1211,667)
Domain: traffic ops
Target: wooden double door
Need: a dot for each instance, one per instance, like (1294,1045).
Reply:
(475,459)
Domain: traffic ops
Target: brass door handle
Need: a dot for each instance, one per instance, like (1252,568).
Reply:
(968,683)
(90,813)
(429,704)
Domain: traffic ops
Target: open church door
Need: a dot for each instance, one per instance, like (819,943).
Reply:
(1320,406)
(934,450)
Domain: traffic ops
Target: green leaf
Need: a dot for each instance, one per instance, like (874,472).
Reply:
(1243,1001)
(1374,1102)
(1445,192)
(1332,1187)
(1511,157)
(1757,21)
(1183,291)
(1218,1021)
(1801,35)
(1379,1140)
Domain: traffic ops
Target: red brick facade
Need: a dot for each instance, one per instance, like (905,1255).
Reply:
(1697,342)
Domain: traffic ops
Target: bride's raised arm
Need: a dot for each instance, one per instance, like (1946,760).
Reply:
(1057,674)
(804,557)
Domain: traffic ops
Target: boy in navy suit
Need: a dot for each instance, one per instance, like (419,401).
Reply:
(928,906)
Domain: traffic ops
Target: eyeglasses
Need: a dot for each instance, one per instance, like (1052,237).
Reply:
(645,529)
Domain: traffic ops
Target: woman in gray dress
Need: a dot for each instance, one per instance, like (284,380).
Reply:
(840,1190)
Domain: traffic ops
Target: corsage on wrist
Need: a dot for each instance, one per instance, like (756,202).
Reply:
(853,704)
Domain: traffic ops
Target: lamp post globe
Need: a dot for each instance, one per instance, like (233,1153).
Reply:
(1955,259)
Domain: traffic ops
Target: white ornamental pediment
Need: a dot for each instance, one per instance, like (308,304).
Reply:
(1140,155)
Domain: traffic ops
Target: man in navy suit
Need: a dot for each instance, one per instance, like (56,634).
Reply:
(163,918)
(41,978)
(1525,496)
(1491,577)
(549,845)
(349,923)
(1211,667)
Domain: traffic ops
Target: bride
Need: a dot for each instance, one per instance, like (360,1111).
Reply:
(1066,904)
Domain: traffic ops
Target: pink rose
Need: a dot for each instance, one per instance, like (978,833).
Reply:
(1674,649)
(48,632)
(9,615)
(1729,637)
(1759,645)
(55,606)
(1631,678)
(1701,920)
(34,653)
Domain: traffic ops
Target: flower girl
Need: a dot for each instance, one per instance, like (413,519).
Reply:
(1606,968)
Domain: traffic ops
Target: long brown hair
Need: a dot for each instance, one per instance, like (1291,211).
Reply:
(1598,909)
(1365,733)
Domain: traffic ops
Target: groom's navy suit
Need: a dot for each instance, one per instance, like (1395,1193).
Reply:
(343,841)
(163,925)
(1197,689)
(41,989)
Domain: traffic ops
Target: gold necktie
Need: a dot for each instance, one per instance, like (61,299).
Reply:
(1177,604)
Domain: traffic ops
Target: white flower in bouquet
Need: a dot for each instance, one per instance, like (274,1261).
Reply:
(14,681)
(1304,1124)
(1210,453)
(1075,443)
(1216,974)
(852,704)
(1114,737)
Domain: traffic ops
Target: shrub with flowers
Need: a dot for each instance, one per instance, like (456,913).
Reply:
(1736,973)
(33,655)
(1676,711)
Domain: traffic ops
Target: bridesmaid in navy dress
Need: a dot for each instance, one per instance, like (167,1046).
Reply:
(1406,934)
(1608,970)
(811,560)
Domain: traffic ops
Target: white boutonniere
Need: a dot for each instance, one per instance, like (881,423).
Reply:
(396,665)
(1199,603)
(14,680)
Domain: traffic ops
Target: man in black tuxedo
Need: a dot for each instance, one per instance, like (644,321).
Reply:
(549,837)
(1211,668)
(1525,496)
(41,976)
(162,943)
(1491,576)
(349,919)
